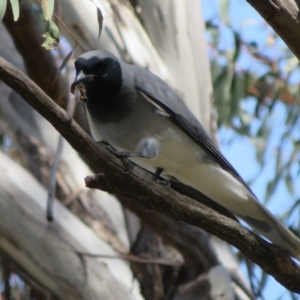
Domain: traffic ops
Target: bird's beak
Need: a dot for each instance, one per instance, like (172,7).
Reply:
(78,84)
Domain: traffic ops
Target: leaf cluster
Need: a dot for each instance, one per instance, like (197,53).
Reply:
(257,95)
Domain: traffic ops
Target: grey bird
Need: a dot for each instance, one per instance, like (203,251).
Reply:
(140,116)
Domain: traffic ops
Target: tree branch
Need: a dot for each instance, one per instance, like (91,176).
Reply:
(27,36)
(139,186)
(283,17)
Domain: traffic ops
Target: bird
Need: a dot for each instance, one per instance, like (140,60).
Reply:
(141,117)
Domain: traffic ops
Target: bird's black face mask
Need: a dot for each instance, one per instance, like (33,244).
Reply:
(103,75)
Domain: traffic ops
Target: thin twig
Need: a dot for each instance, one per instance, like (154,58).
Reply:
(52,181)
(6,276)
(71,197)
(69,31)
(57,157)
(133,258)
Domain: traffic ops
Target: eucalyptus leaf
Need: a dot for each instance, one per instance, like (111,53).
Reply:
(47,9)
(215,69)
(53,31)
(99,18)
(224,11)
(263,280)
(269,191)
(293,296)
(291,64)
(289,184)
(3,5)
(15,9)
(100,21)
(295,205)
(63,64)
(47,44)
(260,150)
(237,94)
(237,42)
(222,86)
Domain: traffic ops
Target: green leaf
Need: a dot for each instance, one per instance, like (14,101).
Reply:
(272,185)
(215,69)
(3,4)
(245,119)
(289,184)
(296,146)
(263,280)
(222,86)
(100,21)
(99,18)
(237,42)
(224,11)
(295,205)
(63,64)
(53,31)
(293,296)
(47,9)
(264,129)
(51,36)
(214,32)
(291,64)
(48,41)
(269,191)
(237,94)
(260,147)
(15,9)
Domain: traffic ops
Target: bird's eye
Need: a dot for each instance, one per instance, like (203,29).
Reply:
(102,69)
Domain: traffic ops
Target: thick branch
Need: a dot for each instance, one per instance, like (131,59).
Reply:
(140,187)
(283,17)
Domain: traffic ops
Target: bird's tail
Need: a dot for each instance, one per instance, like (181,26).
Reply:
(275,231)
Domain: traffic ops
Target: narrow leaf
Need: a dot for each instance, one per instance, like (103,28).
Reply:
(222,86)
(224,11)
(50,8)
(269,191)
(47,9)
(3,4)
(289,184)
(48,41)
(63,64)
(15,9)
(100,19)
(237,42)
(53,31)
(237,94)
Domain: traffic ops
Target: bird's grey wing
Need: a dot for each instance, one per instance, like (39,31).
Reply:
(163,96)
(169,103)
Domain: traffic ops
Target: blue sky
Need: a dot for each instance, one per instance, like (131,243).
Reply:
(241,152)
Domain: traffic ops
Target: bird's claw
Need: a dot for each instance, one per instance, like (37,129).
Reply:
(129,166)
(122,155)
(160,180)
(164,182)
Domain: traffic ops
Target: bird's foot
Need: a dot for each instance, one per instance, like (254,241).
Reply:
(122,155)
(162,181)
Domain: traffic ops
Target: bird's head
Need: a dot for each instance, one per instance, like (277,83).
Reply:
(97,73)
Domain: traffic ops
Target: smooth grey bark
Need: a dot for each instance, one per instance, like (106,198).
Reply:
(18,121)
(48,252)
